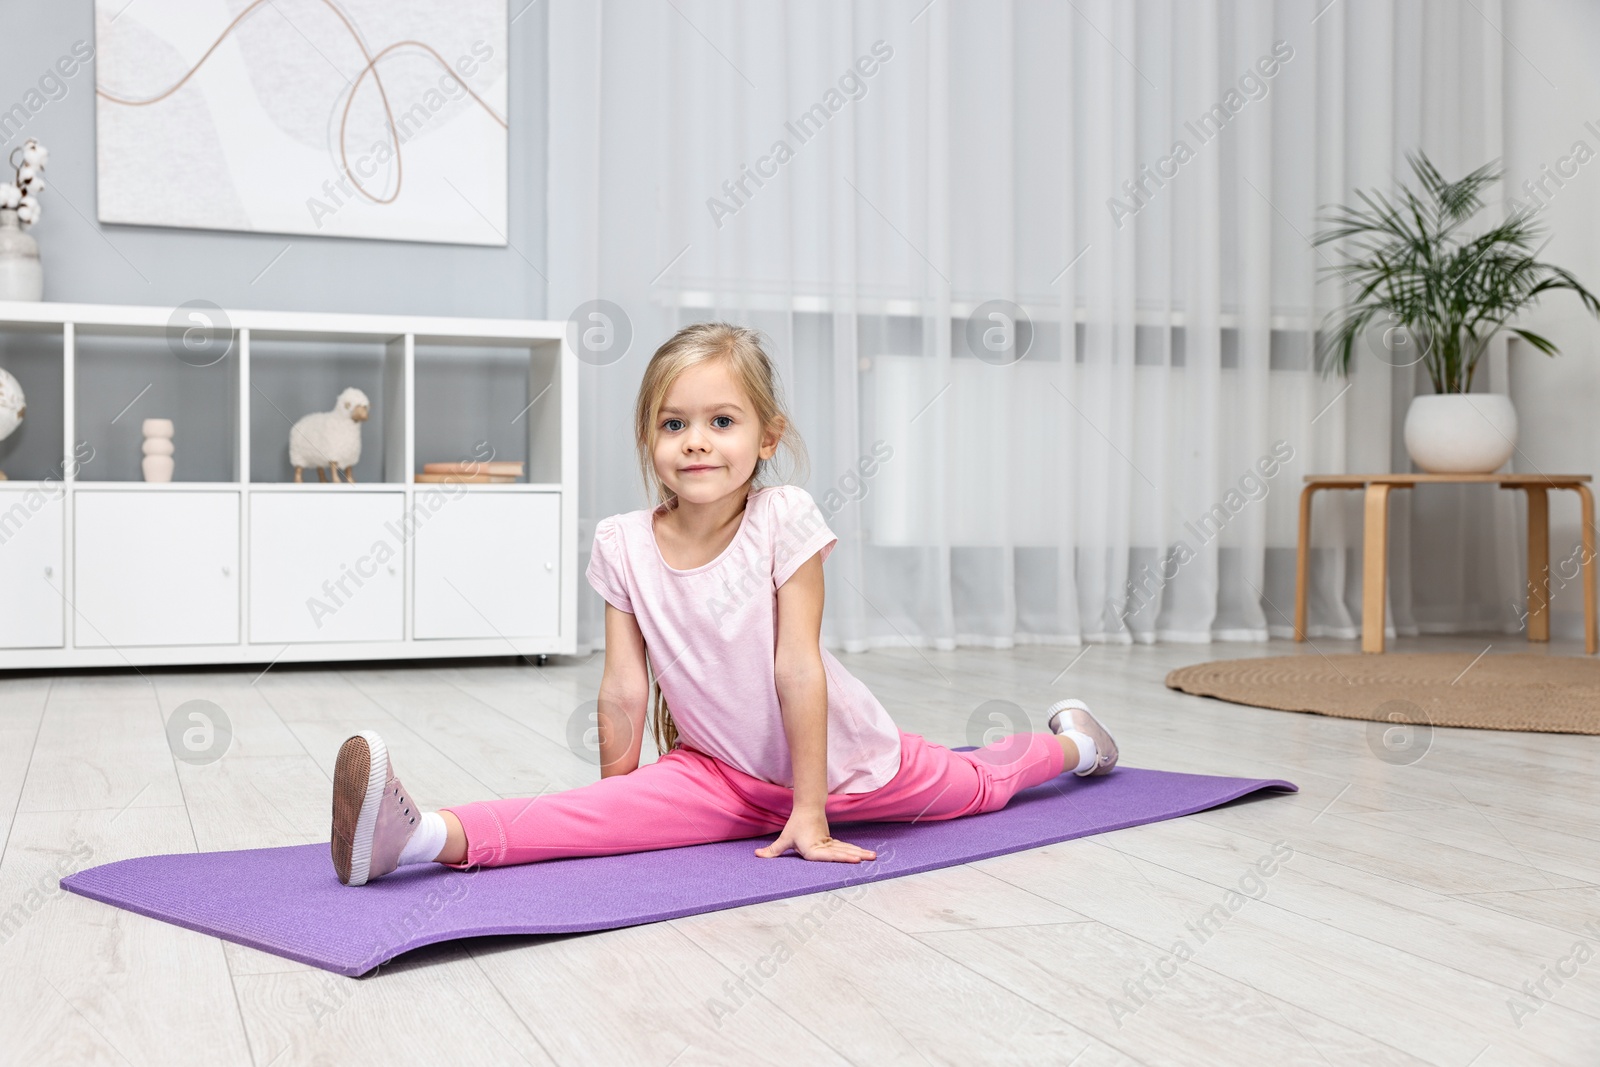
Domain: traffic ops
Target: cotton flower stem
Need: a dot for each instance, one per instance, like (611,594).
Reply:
(27,189)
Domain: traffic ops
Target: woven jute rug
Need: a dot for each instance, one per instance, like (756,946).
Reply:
(1511,691)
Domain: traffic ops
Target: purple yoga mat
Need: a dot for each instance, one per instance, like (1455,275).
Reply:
(288,901)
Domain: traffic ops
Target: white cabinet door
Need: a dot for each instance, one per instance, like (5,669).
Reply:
(155,567)
(326,565)
(30,568)
(489,565)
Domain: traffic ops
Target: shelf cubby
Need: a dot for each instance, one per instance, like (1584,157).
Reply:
(127,373)
(292,375)
(35,354)
(489,398)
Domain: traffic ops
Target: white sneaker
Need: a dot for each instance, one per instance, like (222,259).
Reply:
(1083,721)
(373,817)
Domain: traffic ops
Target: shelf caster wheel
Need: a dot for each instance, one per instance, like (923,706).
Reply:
(543,659)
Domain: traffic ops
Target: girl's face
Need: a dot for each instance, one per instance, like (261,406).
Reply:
(707,435)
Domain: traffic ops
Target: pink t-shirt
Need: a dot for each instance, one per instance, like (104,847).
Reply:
(711,635)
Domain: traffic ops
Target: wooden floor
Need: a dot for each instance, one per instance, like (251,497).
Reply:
(1439,911)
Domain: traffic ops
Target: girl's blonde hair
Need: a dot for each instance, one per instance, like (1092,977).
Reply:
(739,348)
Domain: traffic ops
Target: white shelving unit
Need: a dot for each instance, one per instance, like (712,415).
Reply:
(242,564)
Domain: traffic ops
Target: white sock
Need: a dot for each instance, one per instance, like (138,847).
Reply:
(427,840)
(1086,750)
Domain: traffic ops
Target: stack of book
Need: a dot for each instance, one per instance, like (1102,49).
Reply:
(472,470)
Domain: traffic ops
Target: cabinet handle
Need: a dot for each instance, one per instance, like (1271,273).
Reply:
(226,570)
(549,566)
(49,572)
(391,568)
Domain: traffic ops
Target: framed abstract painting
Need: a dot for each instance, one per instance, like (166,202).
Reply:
(361,118)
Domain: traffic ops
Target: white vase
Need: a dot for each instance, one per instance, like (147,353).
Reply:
(21,274)
(1461,433)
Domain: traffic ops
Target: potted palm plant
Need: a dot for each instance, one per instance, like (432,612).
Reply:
(1442,296)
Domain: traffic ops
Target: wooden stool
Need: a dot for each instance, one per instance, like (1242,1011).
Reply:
(1375,546)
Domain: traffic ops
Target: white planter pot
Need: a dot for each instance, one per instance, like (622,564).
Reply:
(1461,433)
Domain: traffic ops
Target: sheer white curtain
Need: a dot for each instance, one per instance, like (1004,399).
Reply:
(864,181)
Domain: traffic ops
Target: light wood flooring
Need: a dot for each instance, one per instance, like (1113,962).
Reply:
(1420,904)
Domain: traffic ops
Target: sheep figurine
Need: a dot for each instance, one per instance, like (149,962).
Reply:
(331,438)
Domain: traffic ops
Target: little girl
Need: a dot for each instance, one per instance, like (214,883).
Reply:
(760,729)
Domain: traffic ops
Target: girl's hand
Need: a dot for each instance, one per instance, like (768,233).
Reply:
(807,834)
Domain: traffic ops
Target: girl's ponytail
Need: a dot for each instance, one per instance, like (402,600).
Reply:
(661,724)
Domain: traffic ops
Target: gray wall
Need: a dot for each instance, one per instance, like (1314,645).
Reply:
(86,262)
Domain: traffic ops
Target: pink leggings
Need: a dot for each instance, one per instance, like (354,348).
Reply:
(689,798)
